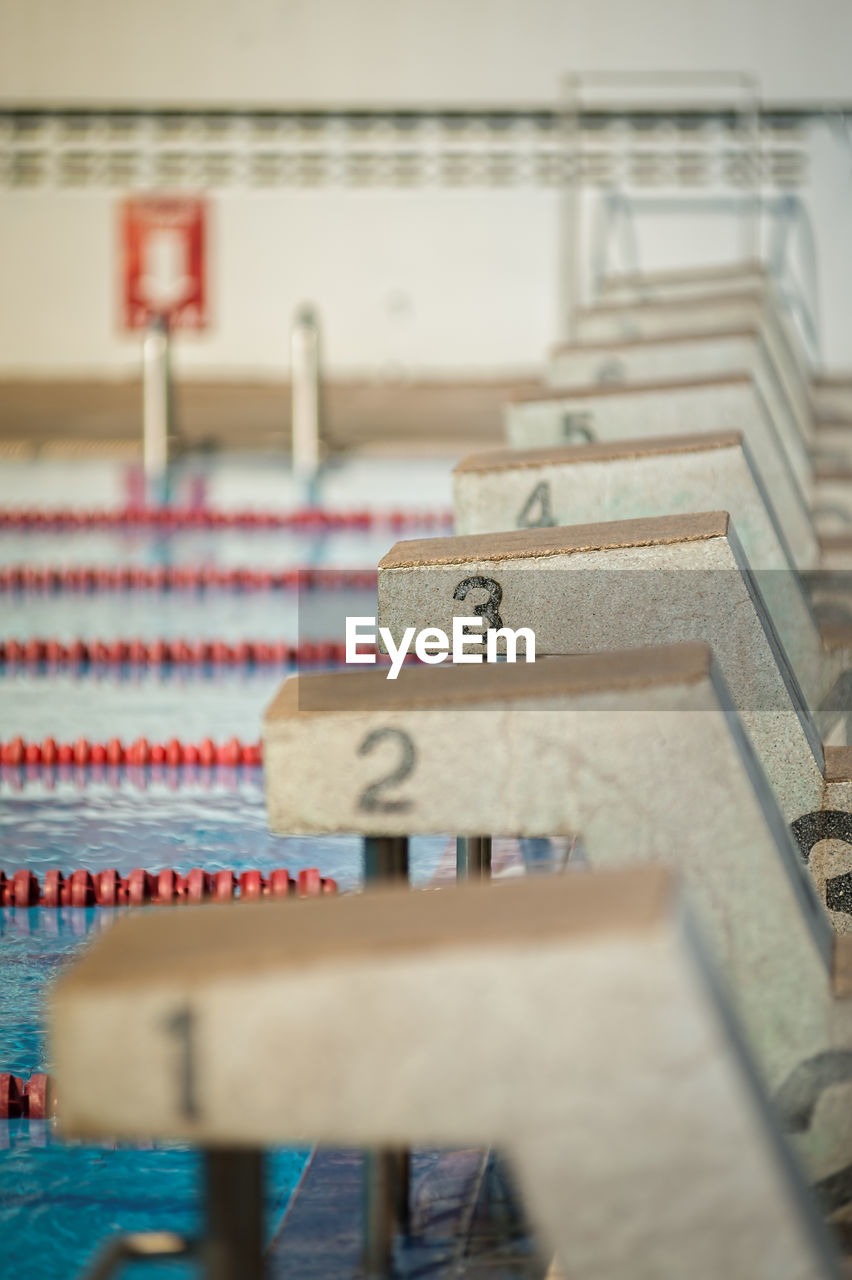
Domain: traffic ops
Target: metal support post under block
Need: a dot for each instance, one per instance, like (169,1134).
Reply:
(473,857)
(385,858)
(233,1245)
(386,1171)
(381,1174)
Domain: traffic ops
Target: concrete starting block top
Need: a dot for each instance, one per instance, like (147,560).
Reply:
(832,397)
(394,745)
(703,285)
(832,499)
(668,475)
(632,583)
(684,356)
(707,313)
(714,313)
(622,412)
(615,748)
(571,1020)
(668,283)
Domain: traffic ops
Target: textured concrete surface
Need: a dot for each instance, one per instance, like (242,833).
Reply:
(697,313)
(363,1003)
(617,585)
(575,484)
(730,402)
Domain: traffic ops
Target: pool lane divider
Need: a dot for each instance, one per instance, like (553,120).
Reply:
(95,579)
(310,520)
(34,1098)
(206,753)
(107,888)
(39,651)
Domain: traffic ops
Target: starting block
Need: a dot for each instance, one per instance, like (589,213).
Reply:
(732,402)
(638,754)
(628,583)
(819,447)
(700,313)
(675,475)
(832,401)
(670,283)
(571,1020)
(666,324)
(680,356)
(833,508)
(715,313)
(832,398)
(704,286)
(674,356)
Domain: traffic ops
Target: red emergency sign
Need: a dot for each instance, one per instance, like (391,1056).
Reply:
(163,268)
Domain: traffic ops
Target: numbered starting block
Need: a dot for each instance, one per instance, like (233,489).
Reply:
(640,756)
(730,402)
(698,312)
(585,379)
(702,289)
(672,325)
(571,1020)
(653,581)
(703,300)
(626,416)
(832,403)
(668,285)
(676,475)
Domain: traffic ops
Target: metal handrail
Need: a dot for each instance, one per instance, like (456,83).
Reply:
(305,393)
(739,95)
(156,393)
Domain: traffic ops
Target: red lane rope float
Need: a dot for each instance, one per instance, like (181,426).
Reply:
(107,888)
(34,1098)
(141,752)
(306,520)
(39,651)
(90,579)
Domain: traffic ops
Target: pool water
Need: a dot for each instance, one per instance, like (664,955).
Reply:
(60,1200)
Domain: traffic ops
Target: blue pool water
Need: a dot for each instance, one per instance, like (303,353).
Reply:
(183,703)
(99,828)
(59,1200)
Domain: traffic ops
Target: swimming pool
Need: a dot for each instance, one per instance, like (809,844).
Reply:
(59,1200)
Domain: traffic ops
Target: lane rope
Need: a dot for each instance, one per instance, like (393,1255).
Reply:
(206,753)
(33,1098)
(83,888)
(303,520)
(91,579)
(38,652)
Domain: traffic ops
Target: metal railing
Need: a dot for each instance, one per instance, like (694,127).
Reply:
(156,405)
(305,394)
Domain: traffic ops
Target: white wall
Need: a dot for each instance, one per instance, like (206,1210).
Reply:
(419,282)
(416,51)
(431,280)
